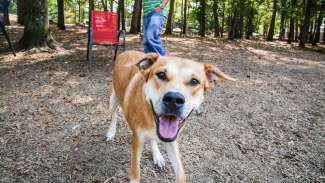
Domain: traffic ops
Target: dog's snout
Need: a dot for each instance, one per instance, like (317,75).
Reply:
(173,100)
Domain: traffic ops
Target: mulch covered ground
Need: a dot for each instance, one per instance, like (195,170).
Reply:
(269,126)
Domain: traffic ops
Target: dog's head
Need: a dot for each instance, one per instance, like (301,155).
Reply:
(174,88)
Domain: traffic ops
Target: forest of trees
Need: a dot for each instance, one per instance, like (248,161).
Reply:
(290,20)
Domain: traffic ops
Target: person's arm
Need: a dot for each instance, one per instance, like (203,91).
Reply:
(161,6)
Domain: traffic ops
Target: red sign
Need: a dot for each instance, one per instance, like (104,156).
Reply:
(104,25)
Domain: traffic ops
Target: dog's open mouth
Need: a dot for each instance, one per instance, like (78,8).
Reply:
(168,127)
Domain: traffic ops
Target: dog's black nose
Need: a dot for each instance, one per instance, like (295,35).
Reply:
(173,100)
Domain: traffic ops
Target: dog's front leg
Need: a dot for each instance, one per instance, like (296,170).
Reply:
(136,151)
(174,157)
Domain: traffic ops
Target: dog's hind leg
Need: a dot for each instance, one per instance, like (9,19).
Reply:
(158,159)
(113,105)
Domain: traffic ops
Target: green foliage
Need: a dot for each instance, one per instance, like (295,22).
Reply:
(71,10)
(13,6)
(256,12)
(53,10)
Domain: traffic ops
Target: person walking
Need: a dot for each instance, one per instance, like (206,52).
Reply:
(154,16)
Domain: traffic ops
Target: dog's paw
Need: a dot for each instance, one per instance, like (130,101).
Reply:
(159,161)
(110,135)
(198,111)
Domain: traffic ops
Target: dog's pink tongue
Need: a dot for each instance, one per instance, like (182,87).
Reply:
(168,126)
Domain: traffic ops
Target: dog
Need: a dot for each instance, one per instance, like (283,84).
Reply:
(157,94)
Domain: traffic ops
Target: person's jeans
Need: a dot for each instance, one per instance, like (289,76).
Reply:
(152,28)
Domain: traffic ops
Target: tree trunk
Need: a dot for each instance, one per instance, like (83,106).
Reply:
(139,22)
(305,26)
(265,29)
(310,34)
(283,18)
(324,35)
(36,32)
(202,18)
(216,19)
(272,24)
(136,17)
(240,27)
(222,19)
(82,14)
(249,31)
(121,14)
(292,22)
(233,25)
(169,25)
(91,6)
(297,30)
(184,17)
(291,31)
(21,11)
(61,14)
(319,23)
(79,11)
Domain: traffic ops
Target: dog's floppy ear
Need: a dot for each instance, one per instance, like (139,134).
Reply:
(213,74)
(148,60)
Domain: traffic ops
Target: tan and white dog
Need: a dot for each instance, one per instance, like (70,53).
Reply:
(156,94)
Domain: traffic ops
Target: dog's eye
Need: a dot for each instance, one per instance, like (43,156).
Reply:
(194,82)
(162,76)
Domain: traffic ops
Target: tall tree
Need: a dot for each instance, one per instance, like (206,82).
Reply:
(121,13)
(292,21)
(319,23)
(222,18)
(184,17)
(21,9)
(61,14)
(216,18)
(36,31)
(283,18)
(91,6)
(136,17)
(202,18)
(265,29)
(169,25)
(250,18)
(306,23)
(239,31)
(324,34)
(272,24)
(310,33)
(296,30)
(79,11)
(233,24)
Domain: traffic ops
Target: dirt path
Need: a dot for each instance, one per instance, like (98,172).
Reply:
(267,127)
